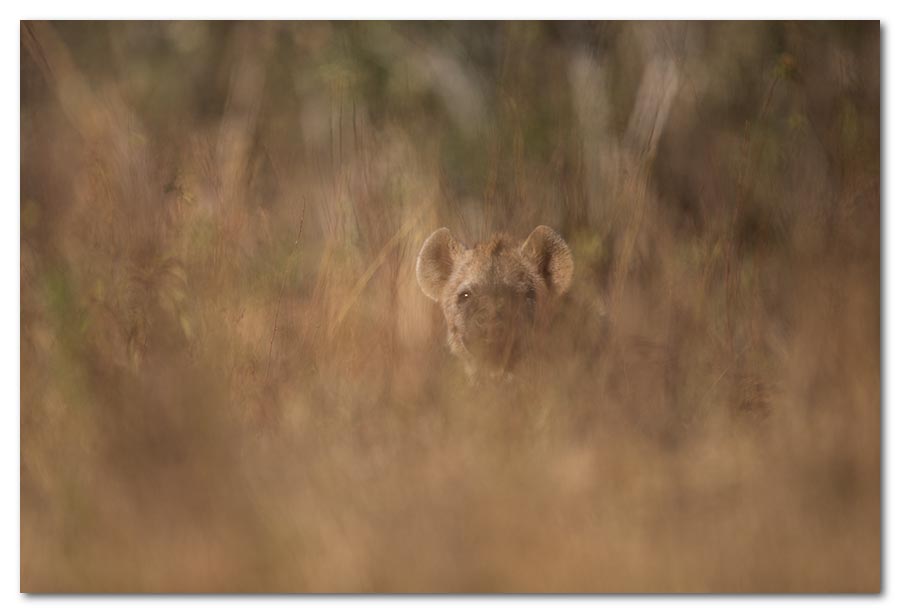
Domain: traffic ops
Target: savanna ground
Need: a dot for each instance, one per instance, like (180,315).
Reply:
(230,380)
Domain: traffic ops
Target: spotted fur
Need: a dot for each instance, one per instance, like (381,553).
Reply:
(494,295)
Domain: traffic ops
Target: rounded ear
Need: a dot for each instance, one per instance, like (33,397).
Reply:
(552,256)
(435,262)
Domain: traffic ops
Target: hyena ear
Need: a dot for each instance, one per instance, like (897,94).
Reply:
(552,256)
(435,262)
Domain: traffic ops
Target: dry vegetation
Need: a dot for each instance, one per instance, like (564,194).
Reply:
(231,382)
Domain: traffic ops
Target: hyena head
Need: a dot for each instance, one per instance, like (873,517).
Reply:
(496,294)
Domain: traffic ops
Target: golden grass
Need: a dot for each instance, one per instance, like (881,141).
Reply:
(231,382)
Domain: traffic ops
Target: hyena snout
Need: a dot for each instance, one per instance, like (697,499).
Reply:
(492,340)
(495,317)
(498,323)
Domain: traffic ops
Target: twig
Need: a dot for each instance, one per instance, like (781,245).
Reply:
(370,271)
(281,294)
(743,191)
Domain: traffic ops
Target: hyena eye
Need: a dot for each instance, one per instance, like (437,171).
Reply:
(463,296)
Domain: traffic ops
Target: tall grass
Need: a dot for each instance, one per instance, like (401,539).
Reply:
(231,382)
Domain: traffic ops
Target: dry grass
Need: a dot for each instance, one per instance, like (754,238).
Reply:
(230,381)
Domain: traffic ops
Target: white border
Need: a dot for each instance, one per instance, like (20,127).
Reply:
(457,9)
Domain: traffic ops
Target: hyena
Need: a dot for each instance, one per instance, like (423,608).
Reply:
(495,295)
